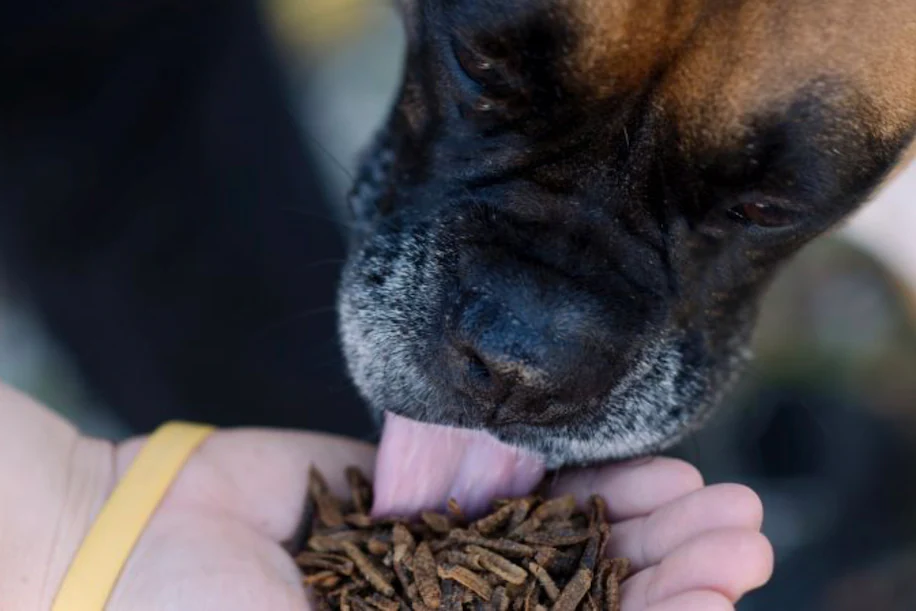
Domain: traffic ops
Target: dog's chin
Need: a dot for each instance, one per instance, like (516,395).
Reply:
(578,443)
(655,407)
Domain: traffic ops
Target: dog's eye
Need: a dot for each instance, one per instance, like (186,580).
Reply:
(763,214)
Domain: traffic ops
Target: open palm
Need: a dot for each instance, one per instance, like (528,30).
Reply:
(216,543)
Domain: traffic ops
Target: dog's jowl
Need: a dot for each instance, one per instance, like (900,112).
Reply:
(564,228)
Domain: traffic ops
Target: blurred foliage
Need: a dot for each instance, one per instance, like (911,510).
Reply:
(308,25)
(837,318)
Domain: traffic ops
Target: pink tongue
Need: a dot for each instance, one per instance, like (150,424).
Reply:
(421,466)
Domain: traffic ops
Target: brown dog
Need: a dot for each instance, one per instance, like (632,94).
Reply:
(565,227)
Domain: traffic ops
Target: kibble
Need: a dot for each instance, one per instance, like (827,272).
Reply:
(528,554)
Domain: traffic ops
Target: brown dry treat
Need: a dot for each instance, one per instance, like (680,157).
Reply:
(605,532)
(621,568)
(333,542)
(495,520)
(522,509)
(495,580)
(596,594)
(560,508)
(589,558)
(576,522)
(597,510)
(531,524)
(500,600)
(331,562)
(437,522)
(503,546)
(403,541)
(328,507)
(354,584)
(498,565)
(612,593)
(360,603)
(414,595)
(424,570)
(323,579)
(452,596)
(439,562)
(359,520)
(574,591)
(382,603)
(531,596)
(564,562)
(455,509)
(348,589)
(330,581)
(377,546)
(545,556)
(618,571)
(454,556)
(546,581)
(360,490)
(371,572)
(407,585)
(467,578)
(558,538)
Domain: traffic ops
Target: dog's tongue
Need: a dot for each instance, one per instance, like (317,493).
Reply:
(420,467)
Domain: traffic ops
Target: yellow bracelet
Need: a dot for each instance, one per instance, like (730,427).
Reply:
(101,557)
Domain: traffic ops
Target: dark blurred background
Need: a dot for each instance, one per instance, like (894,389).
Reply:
(171,229)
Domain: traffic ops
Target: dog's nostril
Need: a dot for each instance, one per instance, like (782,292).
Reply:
(517,356)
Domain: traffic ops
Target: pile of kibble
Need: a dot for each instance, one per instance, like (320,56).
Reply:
(528,554)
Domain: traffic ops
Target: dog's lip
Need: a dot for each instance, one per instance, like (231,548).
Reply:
(421,466)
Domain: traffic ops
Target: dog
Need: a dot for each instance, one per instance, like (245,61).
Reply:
(563,231)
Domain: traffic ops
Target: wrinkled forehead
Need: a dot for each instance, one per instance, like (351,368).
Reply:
(716,65)
(721,64)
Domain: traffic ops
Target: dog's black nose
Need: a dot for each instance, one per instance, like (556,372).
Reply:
(491,372)
(517,351)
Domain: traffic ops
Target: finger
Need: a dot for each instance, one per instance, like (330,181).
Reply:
(647,540)
(731,562)
(693,601)
(260,476)
(635,488)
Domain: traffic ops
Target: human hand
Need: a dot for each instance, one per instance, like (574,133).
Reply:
(692,547)
(216,541)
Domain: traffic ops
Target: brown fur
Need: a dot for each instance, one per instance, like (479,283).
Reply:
(728,60)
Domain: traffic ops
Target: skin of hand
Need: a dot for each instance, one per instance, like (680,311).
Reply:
(216,541)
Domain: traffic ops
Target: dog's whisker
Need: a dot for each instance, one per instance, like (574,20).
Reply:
(334,160)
